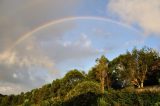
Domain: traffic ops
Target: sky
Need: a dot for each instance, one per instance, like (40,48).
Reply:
(41,40)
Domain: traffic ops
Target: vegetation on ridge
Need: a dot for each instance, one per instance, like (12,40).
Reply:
(124,81)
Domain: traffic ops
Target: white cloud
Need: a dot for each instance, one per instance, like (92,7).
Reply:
(14,58)
(15,75)
(27,54)
(21,16)
(38,60)
(134,43)
(26,61)
(67,43)
(144,13)
(9,88)
(79,48)
(84,41)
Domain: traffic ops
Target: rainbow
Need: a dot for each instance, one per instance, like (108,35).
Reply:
(54,22)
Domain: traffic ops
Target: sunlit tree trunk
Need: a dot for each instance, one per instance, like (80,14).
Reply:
(143,76)
(103,74)
(102,68)
(102,85)
(141,84)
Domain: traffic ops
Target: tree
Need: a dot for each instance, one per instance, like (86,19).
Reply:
(153,75)
(122,69)
(55,86)
(83,88)
(73,76)
(92,75)
(83,94)
(102,71)
(71,79)
(134,66)
(5,101)
(143,60)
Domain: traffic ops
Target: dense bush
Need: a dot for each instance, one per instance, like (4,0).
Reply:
(124,98)
(84,94)
(87,99)
(84,88)
(79,89)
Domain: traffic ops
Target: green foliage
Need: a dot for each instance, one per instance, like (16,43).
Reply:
(45,103)
(55,86)
(83,88)
(56,101)
(124,98)
(84,94)
(102,72)
(157,104)
(87,99)
(70,80)
(133,67)
(102,102)
(92,75)
(77,88)
(26,102)
(5,101)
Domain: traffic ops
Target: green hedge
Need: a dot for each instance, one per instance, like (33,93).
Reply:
(122,98)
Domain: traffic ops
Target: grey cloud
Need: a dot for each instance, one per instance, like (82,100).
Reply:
(20,16)
(17,71)
(25,79)
(9,88)
(24,67)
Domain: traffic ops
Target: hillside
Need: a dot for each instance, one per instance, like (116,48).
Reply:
(130,79)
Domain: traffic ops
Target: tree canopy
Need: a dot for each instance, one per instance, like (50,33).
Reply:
(135,69)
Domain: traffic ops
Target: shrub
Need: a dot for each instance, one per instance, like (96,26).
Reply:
(124,98)
(101,102)
(83,94)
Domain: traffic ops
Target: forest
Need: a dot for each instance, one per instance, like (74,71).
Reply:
(131,79)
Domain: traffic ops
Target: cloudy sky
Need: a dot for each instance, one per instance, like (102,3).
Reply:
(40,40)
